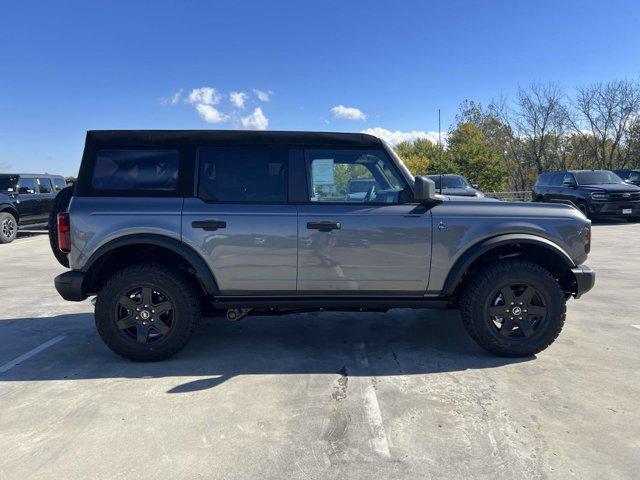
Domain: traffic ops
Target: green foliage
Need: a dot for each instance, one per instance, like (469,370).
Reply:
(476,158)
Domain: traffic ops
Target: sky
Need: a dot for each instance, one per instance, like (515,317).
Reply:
(383,67)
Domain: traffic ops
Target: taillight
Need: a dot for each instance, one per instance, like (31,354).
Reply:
(64,232)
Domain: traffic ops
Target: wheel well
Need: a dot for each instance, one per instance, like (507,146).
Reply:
(12,211)
(545,257)
(127,255)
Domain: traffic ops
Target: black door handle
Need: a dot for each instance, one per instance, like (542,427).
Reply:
(324,226)
(209,225)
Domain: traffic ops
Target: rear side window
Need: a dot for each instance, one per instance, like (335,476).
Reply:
(27,185)
(59,184)
(45,185)
(243,174)
(136,170)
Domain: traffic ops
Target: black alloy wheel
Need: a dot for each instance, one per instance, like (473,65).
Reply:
(145,315)
(516,311)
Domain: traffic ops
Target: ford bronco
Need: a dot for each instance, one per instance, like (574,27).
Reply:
(165,225)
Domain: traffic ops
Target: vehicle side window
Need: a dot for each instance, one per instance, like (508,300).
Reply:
(352,176)
(243,174)
(136,170)
(45,185)
(568,178)
(634,176)
(27,185)
(556,179)
(59,183)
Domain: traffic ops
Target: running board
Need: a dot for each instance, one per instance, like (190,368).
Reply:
(328,303)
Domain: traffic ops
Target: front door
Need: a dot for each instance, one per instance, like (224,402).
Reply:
(359,233)
(240,221)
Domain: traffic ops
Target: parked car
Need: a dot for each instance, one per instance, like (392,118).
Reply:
(26,200)
(455,185)
(629,176)
(254,223)
(596,193)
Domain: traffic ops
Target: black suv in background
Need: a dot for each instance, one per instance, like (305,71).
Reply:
(629,176)
(26,200)
(597,193)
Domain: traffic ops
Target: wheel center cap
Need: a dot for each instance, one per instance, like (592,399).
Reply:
(516,310)
(145,314)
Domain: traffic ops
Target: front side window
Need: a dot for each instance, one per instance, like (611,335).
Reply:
(352,176)
(243,174)
(136,170)
(45,185)
(634,177)
(568,178)
(27,185)
(59,183)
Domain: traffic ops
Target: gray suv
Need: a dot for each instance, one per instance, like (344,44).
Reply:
(163,225)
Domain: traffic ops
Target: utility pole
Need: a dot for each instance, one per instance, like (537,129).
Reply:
(439,140)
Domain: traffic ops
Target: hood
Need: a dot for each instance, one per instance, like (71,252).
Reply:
(519,210)
(611,188)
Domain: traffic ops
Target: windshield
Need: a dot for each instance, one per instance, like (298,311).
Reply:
(450,181)
(597,177)
(8,183)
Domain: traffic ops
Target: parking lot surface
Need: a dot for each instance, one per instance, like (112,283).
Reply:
(399,395)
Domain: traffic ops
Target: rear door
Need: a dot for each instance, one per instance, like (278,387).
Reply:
(373,242)
(240,221)
(27,200)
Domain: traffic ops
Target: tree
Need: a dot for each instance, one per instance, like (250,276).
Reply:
(423,157)
(476,157)
(604,114)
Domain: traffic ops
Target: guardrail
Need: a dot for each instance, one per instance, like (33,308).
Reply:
(510,196)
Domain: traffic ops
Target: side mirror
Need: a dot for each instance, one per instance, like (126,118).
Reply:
(424,189)
(569,184)
(475,185)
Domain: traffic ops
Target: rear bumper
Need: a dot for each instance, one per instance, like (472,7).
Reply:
(585,279)
(69,286)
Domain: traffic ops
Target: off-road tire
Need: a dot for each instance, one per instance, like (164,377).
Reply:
(60,204)
(187,311)
(475,300)
(8,230)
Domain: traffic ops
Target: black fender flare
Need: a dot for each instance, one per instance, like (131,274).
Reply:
(8,207)
(480,248)
(202,271)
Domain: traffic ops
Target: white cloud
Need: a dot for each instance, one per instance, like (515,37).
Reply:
(173,100)
(238,98)
(349,113)
(255,121)
(395,137)
(204,96)
(210,114)
(263,95)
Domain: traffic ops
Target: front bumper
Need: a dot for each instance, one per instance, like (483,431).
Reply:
(585,279)
(615,209)
(69,286)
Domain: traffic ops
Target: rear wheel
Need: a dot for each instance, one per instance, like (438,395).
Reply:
(60,204)
(8,227)
(147,312)
(513,308)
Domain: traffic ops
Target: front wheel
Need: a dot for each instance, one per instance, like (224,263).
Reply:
(8,227)
(147,312)
(513,308)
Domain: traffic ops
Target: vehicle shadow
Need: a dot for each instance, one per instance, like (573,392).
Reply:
(401,342)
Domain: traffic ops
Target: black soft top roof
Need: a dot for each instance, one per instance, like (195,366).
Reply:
(236,137)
